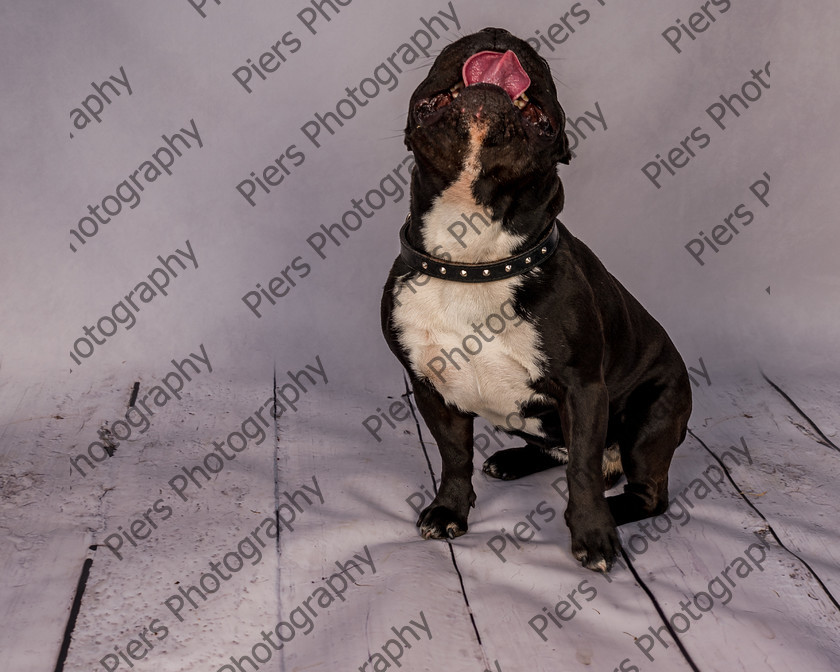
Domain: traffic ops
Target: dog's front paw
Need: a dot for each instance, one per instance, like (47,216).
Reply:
(597,547)
(441,522)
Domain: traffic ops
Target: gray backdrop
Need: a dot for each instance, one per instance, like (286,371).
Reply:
(766,295)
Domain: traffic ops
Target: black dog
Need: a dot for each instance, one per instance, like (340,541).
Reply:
(495,309)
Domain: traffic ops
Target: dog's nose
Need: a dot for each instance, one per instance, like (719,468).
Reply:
(481,99)
(485,105)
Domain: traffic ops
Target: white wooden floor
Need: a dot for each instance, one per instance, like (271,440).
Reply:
(742,572)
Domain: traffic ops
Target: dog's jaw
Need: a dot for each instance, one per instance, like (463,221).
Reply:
(486,239)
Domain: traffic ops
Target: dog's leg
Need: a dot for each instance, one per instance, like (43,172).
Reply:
(447,515)
(583,411)
(514,463)
(657,417)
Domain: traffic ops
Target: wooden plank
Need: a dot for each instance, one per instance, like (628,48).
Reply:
(793,482)
(818,398)
(46,519)
(365,485)
(369,489)
(155,599)
(793,479)
(733,593)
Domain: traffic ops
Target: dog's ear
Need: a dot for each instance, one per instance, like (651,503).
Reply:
(563,139)
(565,153)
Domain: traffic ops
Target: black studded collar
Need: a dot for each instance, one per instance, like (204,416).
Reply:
(496,270)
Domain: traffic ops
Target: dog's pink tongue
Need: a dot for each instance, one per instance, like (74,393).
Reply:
(491,67)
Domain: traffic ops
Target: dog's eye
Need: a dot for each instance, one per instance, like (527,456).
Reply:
(428,106)
(538,118)
(440,100)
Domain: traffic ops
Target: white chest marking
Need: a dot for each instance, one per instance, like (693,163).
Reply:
(466,339)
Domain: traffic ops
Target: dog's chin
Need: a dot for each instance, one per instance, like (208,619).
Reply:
(518,137)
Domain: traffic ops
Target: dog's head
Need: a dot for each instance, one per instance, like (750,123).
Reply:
(492,89)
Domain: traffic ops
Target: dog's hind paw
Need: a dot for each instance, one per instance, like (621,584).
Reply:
(513,463)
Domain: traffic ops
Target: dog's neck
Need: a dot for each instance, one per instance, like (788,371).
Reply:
(452,224)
